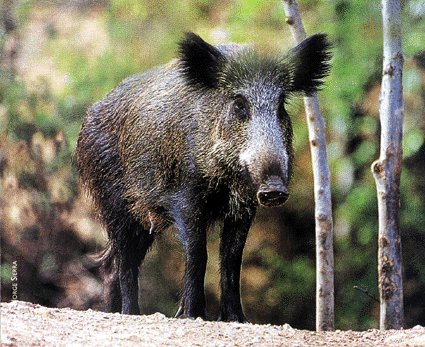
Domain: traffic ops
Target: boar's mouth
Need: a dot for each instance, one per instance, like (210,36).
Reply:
(272,193)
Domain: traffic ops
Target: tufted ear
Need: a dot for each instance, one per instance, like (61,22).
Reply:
(200,61)
(308,64)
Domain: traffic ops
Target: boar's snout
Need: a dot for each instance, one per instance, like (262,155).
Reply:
(272,193)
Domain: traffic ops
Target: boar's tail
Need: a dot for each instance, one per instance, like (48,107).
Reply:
(100,260)
(106,264)
(105,259)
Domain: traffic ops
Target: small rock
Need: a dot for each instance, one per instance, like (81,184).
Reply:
(8,341)
(287,327)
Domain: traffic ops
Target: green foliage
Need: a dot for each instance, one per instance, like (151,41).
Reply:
(5,272)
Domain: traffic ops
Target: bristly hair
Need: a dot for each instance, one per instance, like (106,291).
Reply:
(247,67)
(301,70)
(308,63)
(200,61)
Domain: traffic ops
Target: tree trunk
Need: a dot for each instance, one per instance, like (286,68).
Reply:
(322,192)
(386,171)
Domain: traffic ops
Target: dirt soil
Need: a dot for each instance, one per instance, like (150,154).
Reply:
(26,324)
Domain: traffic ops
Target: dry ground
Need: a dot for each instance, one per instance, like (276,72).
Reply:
(26,324)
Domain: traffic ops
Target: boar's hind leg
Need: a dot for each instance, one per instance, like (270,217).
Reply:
(128,245)
(232,242)
(131,254)
(112,291)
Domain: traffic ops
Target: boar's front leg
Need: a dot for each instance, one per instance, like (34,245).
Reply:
(233,237)
(191,228)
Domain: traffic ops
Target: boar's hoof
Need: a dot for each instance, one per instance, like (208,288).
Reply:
(181,314)
(239,318)
(272,197)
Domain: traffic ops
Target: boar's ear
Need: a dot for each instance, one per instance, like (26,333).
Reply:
(200,61)
(308,64)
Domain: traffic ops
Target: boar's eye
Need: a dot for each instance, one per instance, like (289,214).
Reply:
(281,112)
(240,107)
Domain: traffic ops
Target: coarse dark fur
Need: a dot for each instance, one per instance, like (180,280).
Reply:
(205,138)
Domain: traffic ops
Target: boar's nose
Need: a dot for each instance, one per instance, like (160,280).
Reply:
(272,193)
(270,198)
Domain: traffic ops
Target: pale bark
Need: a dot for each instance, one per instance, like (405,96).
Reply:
(386,171)
(322,192)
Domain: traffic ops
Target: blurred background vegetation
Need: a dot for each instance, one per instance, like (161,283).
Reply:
(58,57)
